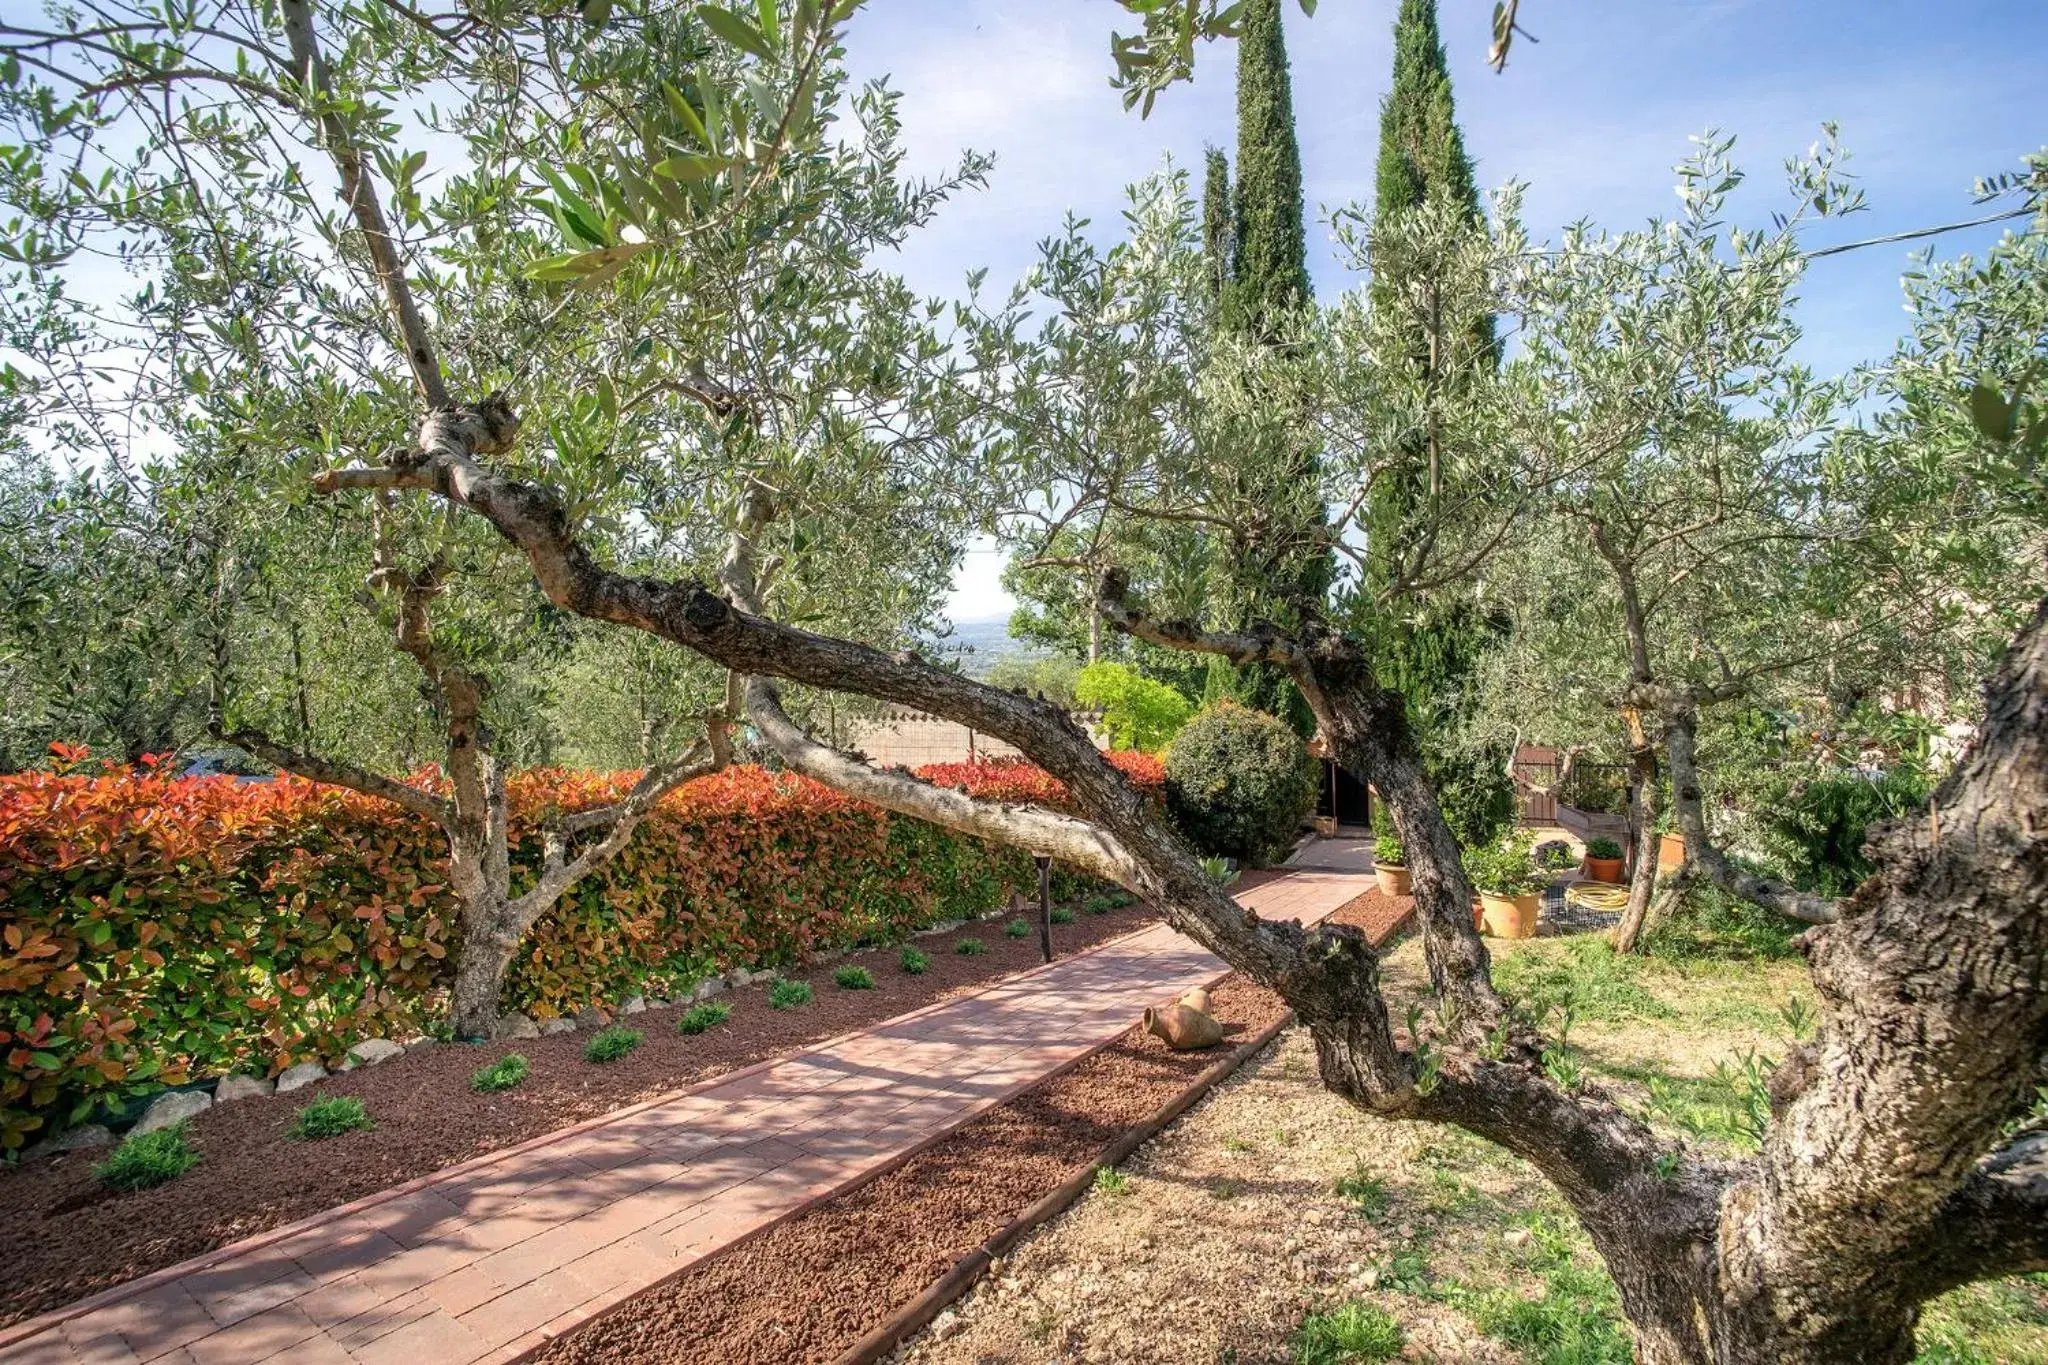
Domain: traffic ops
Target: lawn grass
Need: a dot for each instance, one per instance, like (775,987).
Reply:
(1688,1040)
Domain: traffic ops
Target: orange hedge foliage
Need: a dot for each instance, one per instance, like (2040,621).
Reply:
(157,929)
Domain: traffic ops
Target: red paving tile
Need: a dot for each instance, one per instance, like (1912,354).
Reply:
(496,1259)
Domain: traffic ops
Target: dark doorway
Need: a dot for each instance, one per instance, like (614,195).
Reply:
(1344,796)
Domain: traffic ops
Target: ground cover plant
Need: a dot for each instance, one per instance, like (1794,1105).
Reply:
(610,1044)
(1018,928)
(331,1117)
(914,960)
(789,995)
(701,1018)
(970,947)
(503,1074)
(146,1160)
(853,979)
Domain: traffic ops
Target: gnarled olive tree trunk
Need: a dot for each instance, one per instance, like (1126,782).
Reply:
(1888,1176)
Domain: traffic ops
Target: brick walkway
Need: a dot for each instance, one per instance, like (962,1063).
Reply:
(484,1261)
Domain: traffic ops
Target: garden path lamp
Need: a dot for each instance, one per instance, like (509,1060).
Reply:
(1044,861)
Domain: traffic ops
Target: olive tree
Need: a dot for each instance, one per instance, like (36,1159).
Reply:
(1720,544)
(1889,1175)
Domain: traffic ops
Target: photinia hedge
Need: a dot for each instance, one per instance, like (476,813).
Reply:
(155,930)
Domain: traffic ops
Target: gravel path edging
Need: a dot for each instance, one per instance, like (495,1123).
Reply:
(44,1322)
(914,1316)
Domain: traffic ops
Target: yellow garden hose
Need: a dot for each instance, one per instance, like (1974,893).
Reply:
(1604,896)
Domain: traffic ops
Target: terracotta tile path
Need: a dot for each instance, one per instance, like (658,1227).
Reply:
(486,1260)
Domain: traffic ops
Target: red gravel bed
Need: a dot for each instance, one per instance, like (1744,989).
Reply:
(1380,916)
(67,1237)
(808,1289)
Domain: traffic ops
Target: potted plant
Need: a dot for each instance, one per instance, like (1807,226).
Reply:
(1670,850)
(1603,860)
(1390,865)
(1508,883)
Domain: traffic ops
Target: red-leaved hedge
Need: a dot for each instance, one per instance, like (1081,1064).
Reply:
(155,930)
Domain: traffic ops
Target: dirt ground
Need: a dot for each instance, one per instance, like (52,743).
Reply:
(1274,1223)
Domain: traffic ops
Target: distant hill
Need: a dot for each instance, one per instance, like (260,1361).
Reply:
(978,644)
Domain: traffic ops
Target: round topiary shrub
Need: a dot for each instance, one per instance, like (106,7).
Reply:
(1240,782)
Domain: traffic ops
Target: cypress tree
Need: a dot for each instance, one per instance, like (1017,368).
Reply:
(1430,662)
(1421,150)
(1271,252)
(1217,233)
(1281,559)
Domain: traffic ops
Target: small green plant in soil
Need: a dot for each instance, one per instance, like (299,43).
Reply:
(1098,905)
(1366,1193)
(331,1117)
(1062,915)
(1387,851)
(970,947)
(1354,1331)
(508,1071)
(789,995)
(854,979)
(915,960)
(1111,1181)
(1018,928)
(1602,848)
(703,1018)
(144,1162)
(1577,1321)
(608,1045)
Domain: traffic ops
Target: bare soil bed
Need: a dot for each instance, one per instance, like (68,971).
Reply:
(68,1237)
(808,1289)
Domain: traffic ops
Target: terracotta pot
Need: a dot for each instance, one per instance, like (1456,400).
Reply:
(1393,878)
(1183,1029)
(1196,999)
(1326,826)
(1670,852)
(1603,869)
(1478,914)
(1508,916)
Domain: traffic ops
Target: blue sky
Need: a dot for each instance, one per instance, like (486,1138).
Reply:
(1592,117)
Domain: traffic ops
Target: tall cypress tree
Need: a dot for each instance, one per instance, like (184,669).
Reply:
(1218,234)
(1421,149)
(1431,662)
(1271,265)
(1280,558)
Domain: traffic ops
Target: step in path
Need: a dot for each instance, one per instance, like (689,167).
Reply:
(486,1260)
